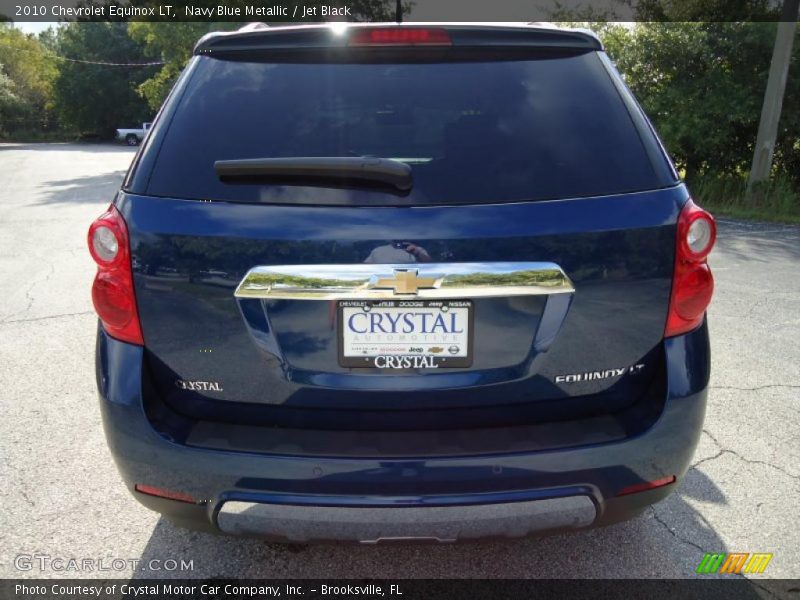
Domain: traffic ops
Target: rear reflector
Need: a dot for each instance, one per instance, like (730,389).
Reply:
(647,485)
(399,36)
(168,494)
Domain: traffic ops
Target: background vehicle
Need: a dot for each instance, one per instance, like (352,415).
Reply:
(506,169)
(132,137)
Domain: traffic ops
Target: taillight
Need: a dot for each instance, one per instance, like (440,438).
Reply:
(112,292)
(692,282)
(399,36)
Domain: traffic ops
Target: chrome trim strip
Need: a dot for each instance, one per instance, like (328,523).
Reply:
(398,281)
(371,525)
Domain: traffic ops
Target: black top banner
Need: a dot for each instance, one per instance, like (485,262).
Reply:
(317,11)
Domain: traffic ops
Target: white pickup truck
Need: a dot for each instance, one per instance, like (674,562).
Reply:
(132,137)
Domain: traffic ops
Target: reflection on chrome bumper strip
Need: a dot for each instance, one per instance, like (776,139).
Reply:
(398,281)
(371,525)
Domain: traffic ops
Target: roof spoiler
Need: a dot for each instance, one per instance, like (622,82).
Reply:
(262,38)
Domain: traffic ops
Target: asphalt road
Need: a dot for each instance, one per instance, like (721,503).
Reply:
(62,497)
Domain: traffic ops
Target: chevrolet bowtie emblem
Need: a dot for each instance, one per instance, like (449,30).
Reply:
(404,282)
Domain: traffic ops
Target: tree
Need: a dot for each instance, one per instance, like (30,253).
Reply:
(96,87)
(171,43)
(12,108)
(27,73)
(702,85)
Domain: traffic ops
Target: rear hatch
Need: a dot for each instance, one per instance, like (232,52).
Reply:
(459,235)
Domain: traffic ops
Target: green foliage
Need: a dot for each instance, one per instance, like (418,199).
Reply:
(26,62)
(171,43)
(702,84)
(12,107)
(27,73)
(99,97)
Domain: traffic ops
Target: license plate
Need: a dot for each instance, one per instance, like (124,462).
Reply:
(405,334)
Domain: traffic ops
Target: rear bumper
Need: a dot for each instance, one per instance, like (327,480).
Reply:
(435,523)
(308,498)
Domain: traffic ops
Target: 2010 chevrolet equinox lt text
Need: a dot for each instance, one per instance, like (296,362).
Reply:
(401,282)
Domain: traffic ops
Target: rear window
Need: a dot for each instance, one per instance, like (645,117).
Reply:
(472,132)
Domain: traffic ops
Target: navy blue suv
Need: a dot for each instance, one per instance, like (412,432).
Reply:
(401,282)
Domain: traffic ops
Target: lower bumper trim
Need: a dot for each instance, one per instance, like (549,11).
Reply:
(372,525)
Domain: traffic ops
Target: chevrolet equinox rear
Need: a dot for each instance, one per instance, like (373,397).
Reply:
(401,283)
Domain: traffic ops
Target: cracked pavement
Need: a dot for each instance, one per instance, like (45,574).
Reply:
(61,494)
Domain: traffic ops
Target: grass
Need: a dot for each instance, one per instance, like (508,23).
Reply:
(776,201)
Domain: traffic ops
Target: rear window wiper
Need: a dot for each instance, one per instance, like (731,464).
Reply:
(355,171)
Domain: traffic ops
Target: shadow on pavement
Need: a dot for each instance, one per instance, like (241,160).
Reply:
(759,242)
(82,190)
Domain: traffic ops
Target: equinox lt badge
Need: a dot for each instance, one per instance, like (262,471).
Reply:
(597,375)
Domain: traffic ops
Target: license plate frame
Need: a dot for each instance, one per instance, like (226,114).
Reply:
(444,359)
